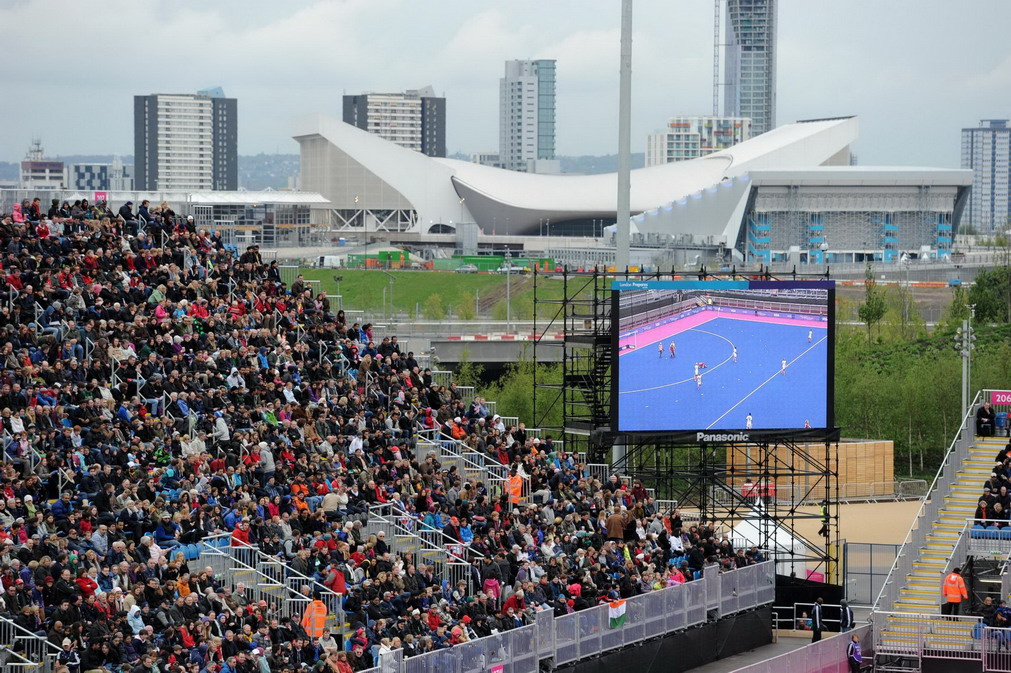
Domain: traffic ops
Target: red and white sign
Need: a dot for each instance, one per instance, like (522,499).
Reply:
(1000,396)
(101,196)
(498,669)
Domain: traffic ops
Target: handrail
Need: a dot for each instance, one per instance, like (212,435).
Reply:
(40,653)
(919,521)
(419,523)
(401,530)
(262,557)
(333,600)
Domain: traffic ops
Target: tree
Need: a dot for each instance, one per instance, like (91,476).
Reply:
(465,307)
(434,308)
(991,295)
(957,310)
(468,373)
(874,307)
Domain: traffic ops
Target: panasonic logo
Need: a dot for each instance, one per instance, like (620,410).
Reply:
(726,437)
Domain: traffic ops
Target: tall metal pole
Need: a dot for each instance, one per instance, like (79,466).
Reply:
(965,366)
(623,235)
(971,338)
(509,275)
(716,62)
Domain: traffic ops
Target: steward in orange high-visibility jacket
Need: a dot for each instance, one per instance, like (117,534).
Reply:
(953,591)
(514,488)
(314,618)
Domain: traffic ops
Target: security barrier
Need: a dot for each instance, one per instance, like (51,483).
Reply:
(589,633)
(825,656)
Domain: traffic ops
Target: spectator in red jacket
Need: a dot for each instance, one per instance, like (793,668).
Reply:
(240,535)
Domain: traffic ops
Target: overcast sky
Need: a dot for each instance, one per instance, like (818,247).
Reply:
(915,71)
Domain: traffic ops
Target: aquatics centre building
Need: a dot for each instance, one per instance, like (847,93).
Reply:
(790,191)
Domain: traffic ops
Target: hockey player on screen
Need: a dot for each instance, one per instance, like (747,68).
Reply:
(810,334)
(735,353)
(659,348)
(698,380)
(747,421)
(782,368)
(672,349)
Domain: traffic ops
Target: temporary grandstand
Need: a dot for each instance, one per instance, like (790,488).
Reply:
(188,431)
(910,633)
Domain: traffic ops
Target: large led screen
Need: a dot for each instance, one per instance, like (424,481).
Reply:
(742,356)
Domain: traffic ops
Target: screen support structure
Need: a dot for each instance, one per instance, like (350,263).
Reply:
(770,491)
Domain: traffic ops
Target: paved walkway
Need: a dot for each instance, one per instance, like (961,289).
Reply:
(754,656)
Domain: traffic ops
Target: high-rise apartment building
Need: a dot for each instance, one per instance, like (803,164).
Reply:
(986,149)
(415,119)
(527,116)
(692,137)
(186,141)
(750,63)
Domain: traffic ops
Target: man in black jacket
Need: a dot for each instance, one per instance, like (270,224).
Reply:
(985,419)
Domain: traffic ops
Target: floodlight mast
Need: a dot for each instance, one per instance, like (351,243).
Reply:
(623,234)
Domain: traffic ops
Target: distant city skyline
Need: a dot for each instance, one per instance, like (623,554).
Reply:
(876,60)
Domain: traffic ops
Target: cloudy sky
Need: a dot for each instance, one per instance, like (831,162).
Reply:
(915,71)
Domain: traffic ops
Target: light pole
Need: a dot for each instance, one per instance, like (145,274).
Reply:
(509,275)
(623,233)
(965,339)
(337,280)
(365,226)
(392,280)
(909,293)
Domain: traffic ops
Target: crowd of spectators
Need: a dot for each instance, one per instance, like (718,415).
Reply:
(159,387)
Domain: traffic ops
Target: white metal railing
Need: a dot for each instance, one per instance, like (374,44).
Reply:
(237,565)
(829,654)
(448,564)
(427,533)
(775,306)
(589,633)
(282,573)
(991,542)
(931,505)
(996,646)
(20,645)
(790,617)
(927,636)
(472,464)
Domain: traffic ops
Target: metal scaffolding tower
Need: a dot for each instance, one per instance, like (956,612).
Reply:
(774,487)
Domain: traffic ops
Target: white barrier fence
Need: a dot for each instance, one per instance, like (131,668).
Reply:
(825,656)
(589,633)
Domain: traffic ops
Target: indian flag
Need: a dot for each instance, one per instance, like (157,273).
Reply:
(616,612)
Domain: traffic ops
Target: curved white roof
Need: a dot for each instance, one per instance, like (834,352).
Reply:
(448,190)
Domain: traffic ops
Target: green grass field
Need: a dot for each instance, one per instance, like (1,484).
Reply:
(437,294)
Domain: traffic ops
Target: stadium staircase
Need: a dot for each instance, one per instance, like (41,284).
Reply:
(423,544)
(921,592)
(907,620)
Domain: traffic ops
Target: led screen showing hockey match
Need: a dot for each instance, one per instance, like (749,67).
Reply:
(703,356)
